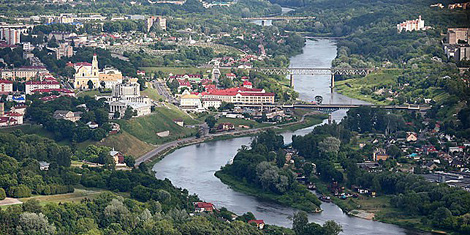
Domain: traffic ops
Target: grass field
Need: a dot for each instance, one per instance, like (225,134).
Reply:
(76,196)
(91,93)
(380,79)
(127,143)
(152,94)
(146,128)
(29,129)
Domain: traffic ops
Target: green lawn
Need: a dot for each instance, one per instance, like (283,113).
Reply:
(91,93)
(29,129)
(152,94)
(382,78)
(146,128)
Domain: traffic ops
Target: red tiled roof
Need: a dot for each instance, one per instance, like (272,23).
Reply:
(204,205)
(13,114)
(247,83)
(256,221)
(83,64)
(5,81)
(48,98)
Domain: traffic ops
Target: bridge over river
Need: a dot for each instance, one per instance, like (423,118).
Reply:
(334,107)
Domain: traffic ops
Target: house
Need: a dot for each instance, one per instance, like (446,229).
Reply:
(380,154)
(190,102)
(118,157)
(140,73)
(67,115)
(92,125)
(227,126)
(204,207)
(458,149)
(369,166)
(430,166)
(247,84)
(231,76)
(411,137)
(259,223)
(44,166)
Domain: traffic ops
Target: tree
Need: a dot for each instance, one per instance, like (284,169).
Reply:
(117,115)
(32,206)
(210,120)
(300,222)
(129,160)
(34,224)
(332,228)
(90,85)
(129,113)
(329,145)
(2,194)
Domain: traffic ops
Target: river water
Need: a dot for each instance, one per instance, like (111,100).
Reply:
(193,167)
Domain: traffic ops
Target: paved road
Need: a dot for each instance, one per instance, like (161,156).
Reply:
(162,89)
(193,140)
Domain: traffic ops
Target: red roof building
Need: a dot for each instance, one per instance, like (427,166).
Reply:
(259,223)
(204,206)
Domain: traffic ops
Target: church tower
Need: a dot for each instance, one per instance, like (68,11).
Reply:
(94,66)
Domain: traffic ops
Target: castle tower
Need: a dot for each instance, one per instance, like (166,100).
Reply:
(94,66)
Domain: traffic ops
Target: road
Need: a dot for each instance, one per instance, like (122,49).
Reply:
(193,140)
(163,90)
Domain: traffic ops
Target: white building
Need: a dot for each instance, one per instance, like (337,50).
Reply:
(110,77)
(190,102)
(126,90)
(39,85)
(6,87)
(411,25)
(127,95)
(211,102)
(10,35)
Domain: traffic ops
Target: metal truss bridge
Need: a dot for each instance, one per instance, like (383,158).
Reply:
(310,71)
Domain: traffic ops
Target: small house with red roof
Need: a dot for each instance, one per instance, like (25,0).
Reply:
(259,223)
(204,207)
(230,76)
(247,84)
(182,84)
(140,72)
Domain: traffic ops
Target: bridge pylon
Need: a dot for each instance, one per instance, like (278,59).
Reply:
(332,86)
(291,76)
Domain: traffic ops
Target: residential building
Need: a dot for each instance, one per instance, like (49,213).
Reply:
(204,207)
(26,72)
(118,158)
(411,137)
(380,154)
(64,50)
(259,223)
(226,126)
(159,21)
(67,115)
(211,102)
(412,25)
(10,35)
(31,86)
(6,87)
(184,85)
(457,35)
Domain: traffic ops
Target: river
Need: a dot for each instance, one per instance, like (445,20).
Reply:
(193,167)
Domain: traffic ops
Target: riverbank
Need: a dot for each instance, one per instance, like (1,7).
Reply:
(285,199)
(155,155)
(377,209)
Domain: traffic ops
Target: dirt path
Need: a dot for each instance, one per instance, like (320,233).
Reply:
(10,201)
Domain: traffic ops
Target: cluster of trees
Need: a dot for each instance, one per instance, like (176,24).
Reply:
(12,58)
(20,174)
(96,111)
(261,166)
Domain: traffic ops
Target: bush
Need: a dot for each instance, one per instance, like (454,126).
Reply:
(2,194)
(19,191)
